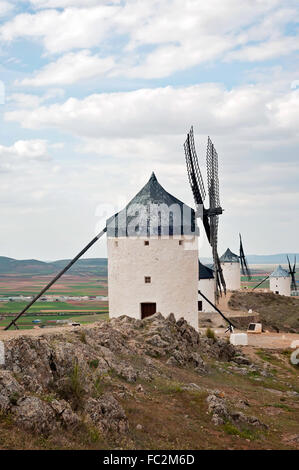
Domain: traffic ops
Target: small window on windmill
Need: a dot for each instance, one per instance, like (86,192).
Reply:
(147,279)
(146,243)
(116,244)
(181,242)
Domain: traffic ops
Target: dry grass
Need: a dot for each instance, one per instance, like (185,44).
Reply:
(172,417)
(277,312)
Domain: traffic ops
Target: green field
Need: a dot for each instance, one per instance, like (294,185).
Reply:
(26,321)
(16,307)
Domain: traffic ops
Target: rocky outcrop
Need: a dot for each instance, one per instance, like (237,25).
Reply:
(107,414)
(219,408)
(60,380)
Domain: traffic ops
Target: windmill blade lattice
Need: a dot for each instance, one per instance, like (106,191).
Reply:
(214,211)
(194,173)
(244,265)
(292,271)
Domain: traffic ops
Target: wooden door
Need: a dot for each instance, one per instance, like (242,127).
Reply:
(148,309)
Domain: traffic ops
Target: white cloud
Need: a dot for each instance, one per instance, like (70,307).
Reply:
(62,30)
(178,34)
(5,7)
(23,153)
(26,100)
(69,3)
(247,112)
(266,50)
(70,69)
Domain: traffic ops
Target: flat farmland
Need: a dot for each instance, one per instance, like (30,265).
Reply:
(48,312)
(69,285)
(26,322)
(85,306)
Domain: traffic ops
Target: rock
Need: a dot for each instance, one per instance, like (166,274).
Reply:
(243,403)
(33,414)
(10,390)
(77,366)
(157,341)
(192,386)
(139,427)
(127,372)
(171,318)
(65,413)
(239,417)
(198,362)
(107,413)
(172,361)
(218,408)
(241,360)
(217,420)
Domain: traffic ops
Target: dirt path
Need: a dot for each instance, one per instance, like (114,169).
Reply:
(264,340)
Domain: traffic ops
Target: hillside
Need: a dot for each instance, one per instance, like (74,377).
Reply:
(280,258)
(151,384)
(91,266)
(277,312)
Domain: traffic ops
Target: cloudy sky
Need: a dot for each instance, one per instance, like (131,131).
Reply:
(97,94)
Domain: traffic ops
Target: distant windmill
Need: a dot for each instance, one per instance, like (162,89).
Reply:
(210,217)
(281,273)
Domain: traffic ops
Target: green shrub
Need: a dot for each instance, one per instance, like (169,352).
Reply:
(210,334)
(94,363)
(73,388)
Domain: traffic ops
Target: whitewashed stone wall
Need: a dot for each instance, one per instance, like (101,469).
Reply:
(232,275)
(173,269)
(207,287)
(282,285)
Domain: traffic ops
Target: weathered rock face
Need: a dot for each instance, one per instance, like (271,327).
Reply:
(221,413)
(10,390)
(106,413)
(59,380)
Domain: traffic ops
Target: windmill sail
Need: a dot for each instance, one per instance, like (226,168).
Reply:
(244,265)
(214,211)
(292,271)
(196,179)
(209,216)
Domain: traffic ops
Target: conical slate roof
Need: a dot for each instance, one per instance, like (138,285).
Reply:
(280,272)
(229,257)
(205,272)
(153,211)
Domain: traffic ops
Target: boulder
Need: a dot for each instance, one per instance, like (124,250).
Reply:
(107,414)
(10,390)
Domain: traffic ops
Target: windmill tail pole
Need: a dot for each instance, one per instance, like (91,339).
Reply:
(64,270)
(231,325)
(261,282)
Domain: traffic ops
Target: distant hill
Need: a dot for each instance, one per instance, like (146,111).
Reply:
(280,258)
(84,266)
(99,265)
